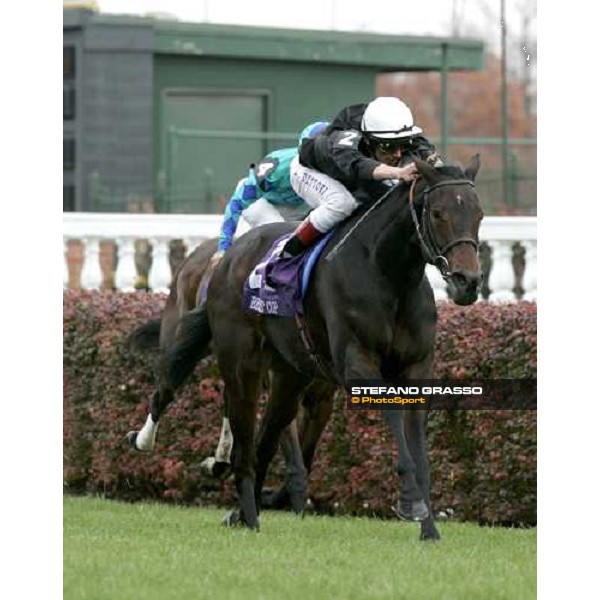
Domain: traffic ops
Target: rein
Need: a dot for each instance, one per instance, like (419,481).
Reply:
(337,247)
(435,255)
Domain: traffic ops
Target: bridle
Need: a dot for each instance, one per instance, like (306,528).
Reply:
(435,255)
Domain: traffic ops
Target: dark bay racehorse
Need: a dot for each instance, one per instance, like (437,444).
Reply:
(159,335)
(371,314)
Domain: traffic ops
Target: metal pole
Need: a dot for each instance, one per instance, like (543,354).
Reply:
(444,101)
(166,207)
(504,98)
(514,179)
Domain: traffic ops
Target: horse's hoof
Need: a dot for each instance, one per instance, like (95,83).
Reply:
(234,519)
(309,508)
(206,466)
(431,535)
(214,468)
(414,512)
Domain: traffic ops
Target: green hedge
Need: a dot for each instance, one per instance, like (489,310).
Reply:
(483,463)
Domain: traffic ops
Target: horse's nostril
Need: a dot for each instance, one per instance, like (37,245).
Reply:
(460,279)
(465,281)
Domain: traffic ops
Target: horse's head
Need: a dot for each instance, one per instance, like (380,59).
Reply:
(449,230)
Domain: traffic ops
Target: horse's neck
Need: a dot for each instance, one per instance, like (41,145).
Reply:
(392,254)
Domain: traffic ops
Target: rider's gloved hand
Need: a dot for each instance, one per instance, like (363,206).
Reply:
(407,173)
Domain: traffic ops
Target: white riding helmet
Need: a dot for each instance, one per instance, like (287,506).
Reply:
(389,118)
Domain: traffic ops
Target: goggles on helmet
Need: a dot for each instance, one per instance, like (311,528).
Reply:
(390,146)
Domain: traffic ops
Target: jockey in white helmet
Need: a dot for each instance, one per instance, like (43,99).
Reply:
(366,148)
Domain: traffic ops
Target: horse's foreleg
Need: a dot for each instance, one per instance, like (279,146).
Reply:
(412,506)
(365,365)
(416,432)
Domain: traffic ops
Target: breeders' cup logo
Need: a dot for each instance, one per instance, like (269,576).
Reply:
(257,304)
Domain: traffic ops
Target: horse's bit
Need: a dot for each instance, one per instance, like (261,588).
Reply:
(435,255)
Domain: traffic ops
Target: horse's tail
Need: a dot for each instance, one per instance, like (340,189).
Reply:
(145,337)
(190,346)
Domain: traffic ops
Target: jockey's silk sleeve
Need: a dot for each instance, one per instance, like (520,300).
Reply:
(338,155)
(246,192)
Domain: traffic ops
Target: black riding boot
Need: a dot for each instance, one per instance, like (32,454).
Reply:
(304,236)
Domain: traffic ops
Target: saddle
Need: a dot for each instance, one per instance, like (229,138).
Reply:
(277,285)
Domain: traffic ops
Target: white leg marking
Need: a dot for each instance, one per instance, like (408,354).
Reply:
(223,453)
(147,435)
(207,465)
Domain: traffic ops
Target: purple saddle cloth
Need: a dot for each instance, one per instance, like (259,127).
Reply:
(277,285)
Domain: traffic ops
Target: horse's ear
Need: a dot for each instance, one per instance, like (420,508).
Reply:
(473,167)
(427,171)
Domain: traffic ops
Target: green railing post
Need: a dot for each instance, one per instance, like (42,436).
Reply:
(169,170)
(504,103)
(444,101)
(514,179)
(161,191)
(208,187)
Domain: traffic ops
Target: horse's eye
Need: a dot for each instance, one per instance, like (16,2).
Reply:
(437,214)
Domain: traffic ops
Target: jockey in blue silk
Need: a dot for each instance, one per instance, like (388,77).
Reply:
(266,194)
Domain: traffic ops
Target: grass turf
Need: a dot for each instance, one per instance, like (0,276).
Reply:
(118,551)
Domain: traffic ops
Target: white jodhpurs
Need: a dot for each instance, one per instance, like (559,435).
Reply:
(262,212)
(331,201)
